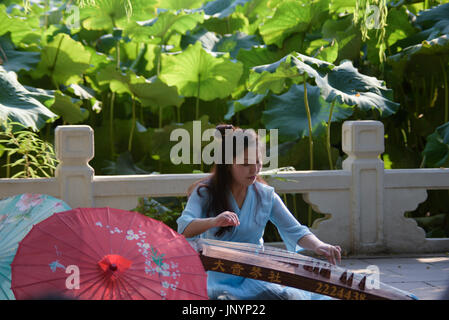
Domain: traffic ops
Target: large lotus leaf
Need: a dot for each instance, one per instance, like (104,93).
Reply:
(44,96)
(166,24)
(231,43)
(323,49)
(63,59)
(235,42)
(117,80)
(259,56)
(434,23)
(105,14)
(436,150)
(236,22)
(347,36)
(274,76)
(196,73)
(287,112)
(124,165)
(150,92)
(158,143)
(154,92)
(143,9)
(342,6)
(207,38)
(69,108)
(140,56)
(16,60)
(347,85)
(292,16)
(342,83)
(181,4)
(297,153)
(81,91)
(257,9)
(422,60)
(437,46)
(23,31)
(20,105)
(436,17)
(249,100)
(398,26)
(222,8)
(397,30)
(230,16)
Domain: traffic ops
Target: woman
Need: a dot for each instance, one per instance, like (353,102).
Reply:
(234,204)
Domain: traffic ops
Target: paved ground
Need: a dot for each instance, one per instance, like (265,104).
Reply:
(426,276)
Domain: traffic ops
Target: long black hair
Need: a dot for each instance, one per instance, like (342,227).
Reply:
(218,184)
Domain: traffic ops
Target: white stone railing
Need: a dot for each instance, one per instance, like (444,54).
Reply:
(363,203)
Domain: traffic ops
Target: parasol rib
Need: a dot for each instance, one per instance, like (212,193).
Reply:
(124,279)
(40,281)
(75,232)
(123,240)
(193,274)
(78,258)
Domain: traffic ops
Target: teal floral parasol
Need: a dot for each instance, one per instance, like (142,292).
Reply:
(18,214)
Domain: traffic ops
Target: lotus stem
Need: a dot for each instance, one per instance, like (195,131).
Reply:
(52,68)
(111,121)
(133,125)
(158,65)
(309,120)
(446,93)
(8,166)
(160,117)
(328,136)
(197,104)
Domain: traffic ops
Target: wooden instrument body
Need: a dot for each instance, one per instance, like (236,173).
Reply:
(290,269)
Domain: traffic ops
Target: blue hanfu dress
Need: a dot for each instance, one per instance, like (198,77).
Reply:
(254,214)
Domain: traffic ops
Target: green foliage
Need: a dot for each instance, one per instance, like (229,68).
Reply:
(286,112)
(436,152)
(137,69)
(27,155)
(19,104)
(157,210)
(198,74)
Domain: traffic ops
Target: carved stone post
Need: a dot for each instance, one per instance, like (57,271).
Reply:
(363,141)
(74,146)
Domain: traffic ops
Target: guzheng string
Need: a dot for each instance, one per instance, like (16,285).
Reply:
(297,259)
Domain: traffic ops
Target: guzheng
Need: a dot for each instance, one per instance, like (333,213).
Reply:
(292,269)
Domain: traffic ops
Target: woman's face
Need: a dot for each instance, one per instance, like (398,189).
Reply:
(245,173)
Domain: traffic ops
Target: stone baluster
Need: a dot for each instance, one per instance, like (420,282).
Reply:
(363,142)
(74,146)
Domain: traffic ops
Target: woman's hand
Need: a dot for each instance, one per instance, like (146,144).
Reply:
(226,219)
(311,242)
(332,253)
(198,226)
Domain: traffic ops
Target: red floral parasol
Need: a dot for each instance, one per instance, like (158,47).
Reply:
(105,253)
